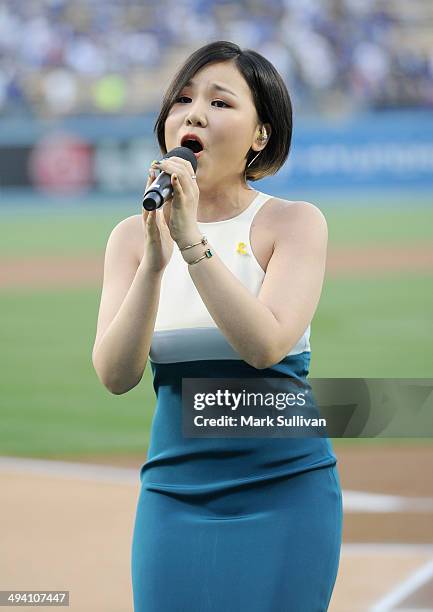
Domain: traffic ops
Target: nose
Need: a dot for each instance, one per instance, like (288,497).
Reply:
(195,116)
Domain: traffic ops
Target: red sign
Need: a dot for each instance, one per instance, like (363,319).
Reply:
(61,163)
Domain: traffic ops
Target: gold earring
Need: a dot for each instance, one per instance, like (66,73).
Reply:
(262,134)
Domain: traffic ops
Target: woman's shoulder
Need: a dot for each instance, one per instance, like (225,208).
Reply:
(131,227)
(129,232)
(281,207)
(282,214)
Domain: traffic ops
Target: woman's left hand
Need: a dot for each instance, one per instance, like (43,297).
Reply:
(180,211)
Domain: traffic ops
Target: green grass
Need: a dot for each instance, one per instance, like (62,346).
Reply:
(59,234)
(379,226)
(52,403)
(377,328)
(51,399)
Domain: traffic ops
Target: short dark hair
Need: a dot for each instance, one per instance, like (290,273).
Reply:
(270,96)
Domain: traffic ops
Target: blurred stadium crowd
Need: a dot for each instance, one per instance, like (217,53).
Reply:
(60,57)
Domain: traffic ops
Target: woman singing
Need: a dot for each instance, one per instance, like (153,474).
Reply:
(222,281)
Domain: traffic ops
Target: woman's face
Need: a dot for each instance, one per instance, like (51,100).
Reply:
(225,122)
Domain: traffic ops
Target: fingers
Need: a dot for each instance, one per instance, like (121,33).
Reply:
(176,160)
(175,165)
(151,224)
(177,185)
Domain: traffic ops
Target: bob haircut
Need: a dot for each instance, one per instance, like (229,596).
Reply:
(270,97)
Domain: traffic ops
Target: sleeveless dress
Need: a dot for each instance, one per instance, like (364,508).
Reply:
(229,524)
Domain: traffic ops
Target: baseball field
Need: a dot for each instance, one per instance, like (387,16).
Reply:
(71,451)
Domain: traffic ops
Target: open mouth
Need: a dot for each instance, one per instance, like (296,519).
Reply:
(194,145)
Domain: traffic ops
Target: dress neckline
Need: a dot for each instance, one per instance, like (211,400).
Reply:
(244,212)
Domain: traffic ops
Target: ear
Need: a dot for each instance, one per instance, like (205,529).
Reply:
(258,144)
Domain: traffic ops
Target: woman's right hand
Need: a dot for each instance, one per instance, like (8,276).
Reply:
(158,243)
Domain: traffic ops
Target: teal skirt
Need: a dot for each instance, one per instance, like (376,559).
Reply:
(267,548)
(227,525)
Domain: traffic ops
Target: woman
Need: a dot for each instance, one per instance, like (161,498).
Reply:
(229,523)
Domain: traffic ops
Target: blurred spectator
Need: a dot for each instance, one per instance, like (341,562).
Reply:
(60,91)
(109,93)
(60,58)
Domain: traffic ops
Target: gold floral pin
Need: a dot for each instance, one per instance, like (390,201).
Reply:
(241,248)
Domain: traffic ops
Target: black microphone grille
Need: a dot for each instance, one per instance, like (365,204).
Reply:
(184,153)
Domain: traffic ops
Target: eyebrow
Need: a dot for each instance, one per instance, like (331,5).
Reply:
(213,86)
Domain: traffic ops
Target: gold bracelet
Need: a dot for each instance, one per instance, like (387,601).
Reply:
(207,254)
(202,241)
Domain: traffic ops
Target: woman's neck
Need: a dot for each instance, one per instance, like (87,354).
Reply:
(221,204)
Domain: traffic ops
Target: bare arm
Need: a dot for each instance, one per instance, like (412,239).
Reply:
(127,312)
(265,328)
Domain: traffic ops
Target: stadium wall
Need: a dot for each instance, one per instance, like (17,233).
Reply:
(111,155)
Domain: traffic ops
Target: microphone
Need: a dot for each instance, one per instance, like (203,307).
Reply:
(161,189)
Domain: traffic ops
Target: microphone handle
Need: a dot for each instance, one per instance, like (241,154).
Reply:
(158,192)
